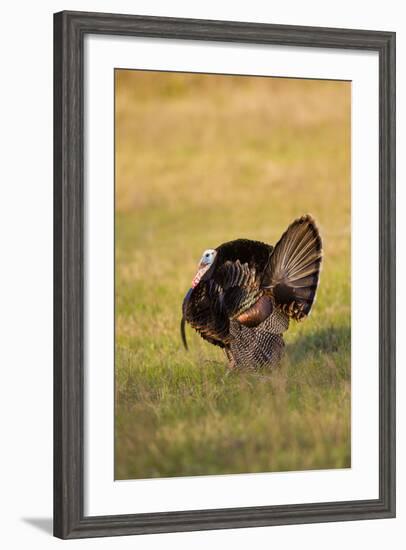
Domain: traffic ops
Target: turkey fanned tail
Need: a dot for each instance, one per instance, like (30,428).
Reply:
(293,273)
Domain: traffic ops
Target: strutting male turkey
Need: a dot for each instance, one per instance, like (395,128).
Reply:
(245,293)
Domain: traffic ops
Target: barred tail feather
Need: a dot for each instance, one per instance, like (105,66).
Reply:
(294,268)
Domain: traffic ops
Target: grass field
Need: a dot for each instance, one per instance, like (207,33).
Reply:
(201,160)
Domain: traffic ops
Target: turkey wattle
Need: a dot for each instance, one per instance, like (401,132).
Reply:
(245,292)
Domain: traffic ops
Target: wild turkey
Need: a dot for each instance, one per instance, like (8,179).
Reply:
(245,292)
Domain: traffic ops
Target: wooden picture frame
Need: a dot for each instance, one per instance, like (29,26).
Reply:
(69,31)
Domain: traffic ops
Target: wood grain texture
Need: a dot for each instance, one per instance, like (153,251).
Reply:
(69,30)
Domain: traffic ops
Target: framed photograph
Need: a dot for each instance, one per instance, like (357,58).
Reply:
(224,274)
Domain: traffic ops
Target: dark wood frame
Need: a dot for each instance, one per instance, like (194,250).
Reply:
(69,31)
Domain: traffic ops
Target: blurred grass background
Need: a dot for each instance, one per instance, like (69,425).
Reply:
(203,159)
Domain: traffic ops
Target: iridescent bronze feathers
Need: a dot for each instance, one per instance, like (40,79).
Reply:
(244,299)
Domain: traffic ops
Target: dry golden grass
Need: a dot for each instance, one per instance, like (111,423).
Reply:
(202,159)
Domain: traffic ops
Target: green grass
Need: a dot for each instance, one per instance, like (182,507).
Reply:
(201,160)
